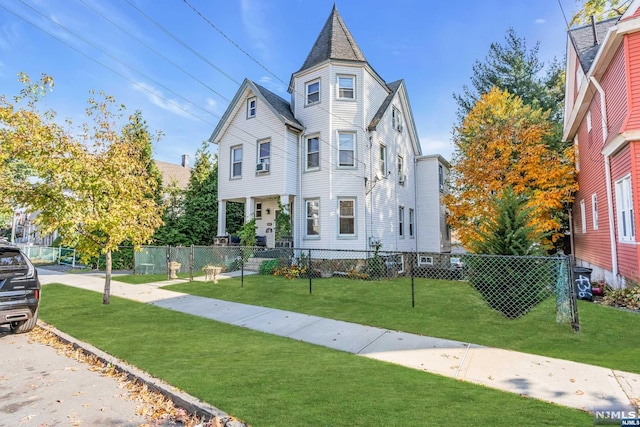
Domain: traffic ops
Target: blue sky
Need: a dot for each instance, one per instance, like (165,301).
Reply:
(184,87)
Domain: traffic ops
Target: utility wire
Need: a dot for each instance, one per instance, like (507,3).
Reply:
(105,66)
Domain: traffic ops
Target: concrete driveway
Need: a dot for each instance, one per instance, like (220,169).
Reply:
(40,387)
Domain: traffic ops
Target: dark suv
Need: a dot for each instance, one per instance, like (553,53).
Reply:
(19,290)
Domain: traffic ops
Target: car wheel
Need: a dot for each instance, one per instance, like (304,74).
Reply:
(25,325)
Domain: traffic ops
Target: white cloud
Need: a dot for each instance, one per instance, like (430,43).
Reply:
(436,146)
(158,99)
(256,25)
(540,21)
(9,35)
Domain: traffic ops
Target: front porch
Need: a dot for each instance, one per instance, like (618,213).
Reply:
(273,215)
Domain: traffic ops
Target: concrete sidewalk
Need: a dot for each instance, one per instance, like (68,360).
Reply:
(563,382)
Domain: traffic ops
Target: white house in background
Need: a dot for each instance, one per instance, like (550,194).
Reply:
(343,156)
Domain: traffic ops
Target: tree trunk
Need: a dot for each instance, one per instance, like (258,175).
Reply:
(107,280)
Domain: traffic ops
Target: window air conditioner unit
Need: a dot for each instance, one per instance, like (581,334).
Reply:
(262,167)
(402,179)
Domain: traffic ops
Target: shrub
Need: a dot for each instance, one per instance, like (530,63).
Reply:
(268,266)
(292,272)
(625,297)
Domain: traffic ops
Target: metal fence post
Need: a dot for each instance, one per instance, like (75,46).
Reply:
(168,260)
(575,322)
(242,269)
(191,265)
(413,266)
(309,272)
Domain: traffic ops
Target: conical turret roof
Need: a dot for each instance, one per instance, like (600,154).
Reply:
(335,42)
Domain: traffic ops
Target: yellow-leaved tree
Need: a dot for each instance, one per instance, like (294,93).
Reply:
(501,144)
(92,184)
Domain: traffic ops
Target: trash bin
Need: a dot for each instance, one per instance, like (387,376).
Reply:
(582,283)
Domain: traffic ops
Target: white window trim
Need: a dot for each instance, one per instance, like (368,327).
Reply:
(594,210)
(396,119)
(384,157)
(583,217)
(307,93)
(258,155)
(306,153)
(307,218)
(412,223)
(254,109)
(441,178)
(401,231)
(233,150)
(425,260)
(353,166)
(588,121)
(338,87)
(258,210)
(624,209)
(355,217)
(400,166)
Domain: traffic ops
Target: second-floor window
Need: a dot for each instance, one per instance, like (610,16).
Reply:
(346,149)
(313,92)
(401,177)
(346,87)
(583,217)
(313,152)
(441,178)
(383,160)
(251,107)
(264,151)
(236,162)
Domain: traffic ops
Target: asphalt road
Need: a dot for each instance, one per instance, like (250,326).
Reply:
(39,387)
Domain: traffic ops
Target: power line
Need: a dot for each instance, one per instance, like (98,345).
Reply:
(104,66)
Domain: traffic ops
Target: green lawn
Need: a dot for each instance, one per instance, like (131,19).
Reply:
(447,309)
(273,381)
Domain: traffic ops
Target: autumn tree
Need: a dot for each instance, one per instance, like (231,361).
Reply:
(500,144)
(91,185)
(599,9)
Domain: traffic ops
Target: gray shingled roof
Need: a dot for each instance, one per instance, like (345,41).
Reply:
(334,42)
(172,172)
(585,45)
(393,87)
(279,104)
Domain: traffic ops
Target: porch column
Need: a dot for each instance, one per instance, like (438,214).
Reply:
(222,217)
(248,208)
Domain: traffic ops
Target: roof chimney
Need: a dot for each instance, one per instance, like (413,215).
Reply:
(185,160)
(595,33)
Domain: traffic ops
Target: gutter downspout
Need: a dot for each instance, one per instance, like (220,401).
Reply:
(607,168)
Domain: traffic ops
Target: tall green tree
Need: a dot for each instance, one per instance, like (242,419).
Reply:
(90,185)
(514,67)
(599,9)
(171,231)
(200,220)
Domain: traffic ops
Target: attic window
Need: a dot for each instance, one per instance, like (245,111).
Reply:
(313,92)
(346,87)
(251,107)
(396,119)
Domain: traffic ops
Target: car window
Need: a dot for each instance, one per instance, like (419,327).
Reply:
(11,258)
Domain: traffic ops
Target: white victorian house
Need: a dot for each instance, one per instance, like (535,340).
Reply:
(343,156)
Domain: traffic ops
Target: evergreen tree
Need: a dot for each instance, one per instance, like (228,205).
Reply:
(508,231)
(171,232)
(200,219)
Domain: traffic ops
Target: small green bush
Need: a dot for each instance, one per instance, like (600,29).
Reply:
(268,266)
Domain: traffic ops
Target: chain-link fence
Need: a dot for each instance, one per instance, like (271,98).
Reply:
(511,285)
(49,254)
